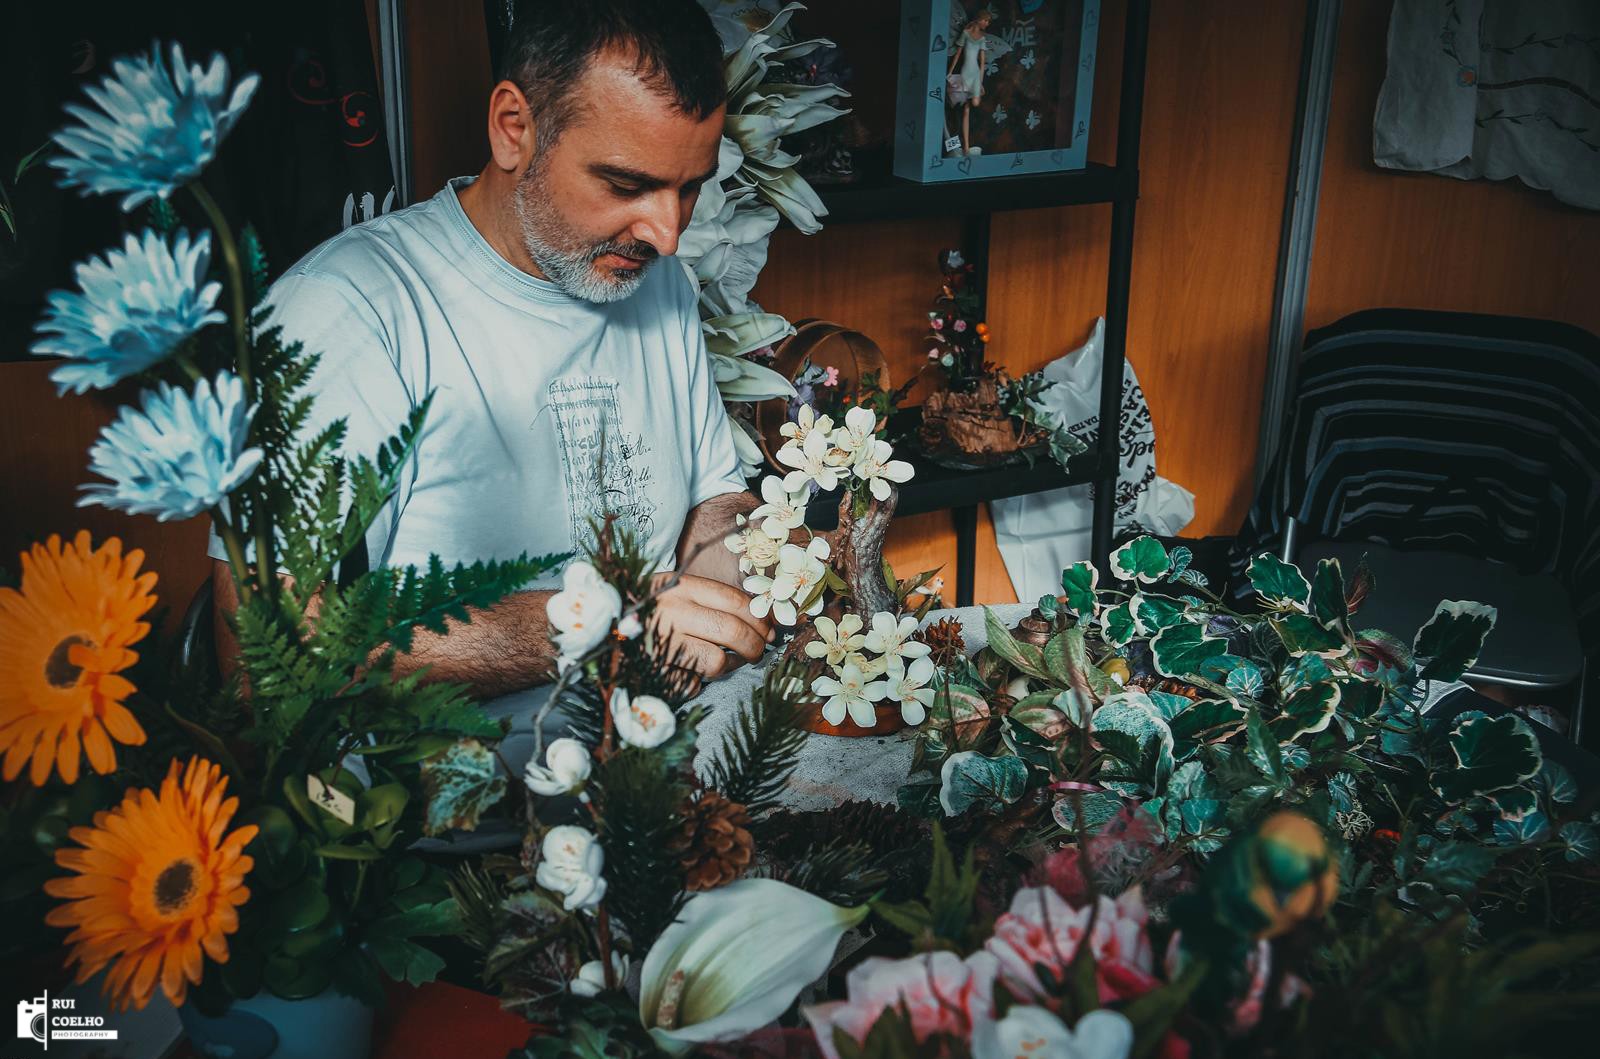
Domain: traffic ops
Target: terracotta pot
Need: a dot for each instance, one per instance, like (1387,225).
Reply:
(889,720)
(825,344)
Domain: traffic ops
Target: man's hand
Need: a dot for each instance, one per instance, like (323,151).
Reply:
(701,617)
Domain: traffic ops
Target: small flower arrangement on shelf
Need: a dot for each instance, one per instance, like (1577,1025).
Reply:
(213,839)
(982,417)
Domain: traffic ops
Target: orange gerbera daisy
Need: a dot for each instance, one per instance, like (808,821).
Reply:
(158,886)
(64,639)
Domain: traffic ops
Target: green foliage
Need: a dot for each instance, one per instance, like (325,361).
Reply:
(758,753)
(639,801)
(945,917)
(461,782)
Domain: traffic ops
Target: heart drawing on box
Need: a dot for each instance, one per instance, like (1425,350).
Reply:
(1057,156)
(937,161)
(938,42)
(965,165)
(1016,160)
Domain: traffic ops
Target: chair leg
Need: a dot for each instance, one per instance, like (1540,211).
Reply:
(1576,733)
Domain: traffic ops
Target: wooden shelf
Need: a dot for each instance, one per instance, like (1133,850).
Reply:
(937,488)
(878,196)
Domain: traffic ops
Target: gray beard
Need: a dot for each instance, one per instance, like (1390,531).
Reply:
(562,257)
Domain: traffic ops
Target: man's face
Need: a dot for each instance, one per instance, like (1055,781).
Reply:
(618,187)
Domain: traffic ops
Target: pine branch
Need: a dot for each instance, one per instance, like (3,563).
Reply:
(845,873)
(639,802)
(759,753)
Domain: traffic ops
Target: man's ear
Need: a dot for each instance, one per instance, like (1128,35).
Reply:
(511,130)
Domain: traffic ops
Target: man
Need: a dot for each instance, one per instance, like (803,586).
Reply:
(565,358)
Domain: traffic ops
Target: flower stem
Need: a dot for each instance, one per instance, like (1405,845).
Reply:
(235,550)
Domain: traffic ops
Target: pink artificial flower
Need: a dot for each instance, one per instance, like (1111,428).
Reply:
(961,325)
(941,992)
(1244,1012)
(832,377)
(933,354)
(938,323)
(1042,931)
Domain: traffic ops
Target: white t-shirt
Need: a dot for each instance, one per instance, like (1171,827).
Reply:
(548,411)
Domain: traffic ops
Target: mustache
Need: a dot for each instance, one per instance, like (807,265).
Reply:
(639,251)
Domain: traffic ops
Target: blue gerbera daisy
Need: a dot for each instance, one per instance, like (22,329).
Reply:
(154,130)
(132,309)
(179,455)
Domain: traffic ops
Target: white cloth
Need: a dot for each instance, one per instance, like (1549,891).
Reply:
(1481,89)
(1042,534)
(548,411)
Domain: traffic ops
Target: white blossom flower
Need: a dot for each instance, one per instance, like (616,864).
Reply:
(784,594)
(875,467)
(643,721)
(891,638)
(836,640)
(630,626)
(810,461)
(806,420)
(565,769)
(910,689)
(871,667)
(757,549)
(859,426)
(783,511)
(570,863)
(591,977)
(852,694)
(582,612)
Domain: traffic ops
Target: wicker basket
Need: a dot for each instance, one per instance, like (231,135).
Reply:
(826,344)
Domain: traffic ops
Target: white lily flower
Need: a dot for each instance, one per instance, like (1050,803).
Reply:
(591,977)
(874,467)
(642,720)
(1027,1030)
(735,959)
(852,694)
(570,863)
(910,689)
(810,461)
(836,640)
(582,612)
(565,769)
(783,511)
(891,637)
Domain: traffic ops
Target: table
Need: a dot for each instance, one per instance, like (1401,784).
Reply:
(833,769)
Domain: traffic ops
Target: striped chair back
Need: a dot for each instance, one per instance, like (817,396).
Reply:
(1445,431)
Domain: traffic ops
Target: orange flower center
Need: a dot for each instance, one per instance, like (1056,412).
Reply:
(174,886)
(58,668)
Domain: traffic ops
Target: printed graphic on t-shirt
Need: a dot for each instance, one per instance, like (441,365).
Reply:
(604,468)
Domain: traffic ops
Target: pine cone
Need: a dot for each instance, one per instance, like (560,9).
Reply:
(944,637)
(714,844)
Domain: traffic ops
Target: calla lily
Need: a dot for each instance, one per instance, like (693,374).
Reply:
(735,960)
(740,333)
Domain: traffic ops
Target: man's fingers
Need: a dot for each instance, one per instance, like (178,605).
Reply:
(715,595)
(716,627)
(702,656)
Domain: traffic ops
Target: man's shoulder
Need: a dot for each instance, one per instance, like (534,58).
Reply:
(372,254)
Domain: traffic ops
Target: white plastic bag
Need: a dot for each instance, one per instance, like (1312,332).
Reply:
(1042,534)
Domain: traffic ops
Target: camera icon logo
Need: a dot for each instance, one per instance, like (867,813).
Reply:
(33,1019)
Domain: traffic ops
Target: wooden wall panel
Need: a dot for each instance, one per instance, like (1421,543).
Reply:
(44,443)
(1416,240)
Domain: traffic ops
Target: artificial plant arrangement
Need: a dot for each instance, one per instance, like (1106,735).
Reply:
(1163,735)
(756,185)
(257,835)
(981,416)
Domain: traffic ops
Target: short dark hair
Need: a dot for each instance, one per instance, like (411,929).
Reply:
(552,42)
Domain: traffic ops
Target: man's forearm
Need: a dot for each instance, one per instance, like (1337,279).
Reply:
(502,649)
(700,547)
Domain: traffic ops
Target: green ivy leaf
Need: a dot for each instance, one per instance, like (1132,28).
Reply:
(1079,581)
(1492,753)
(969,779)
(1132,715)
(1304,635)
(1154,613)
(1206,719)
(1456,867)
(1558,782)
(1142,559)
(1181,650)
(1514,803)
(1117,625)
(1307,711)
(1261,748)
(1180,558)
(1582,841)
(1531,828)
(1452,639)
(1327,595)
(1278,583)
(460,782)
(1245,679)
